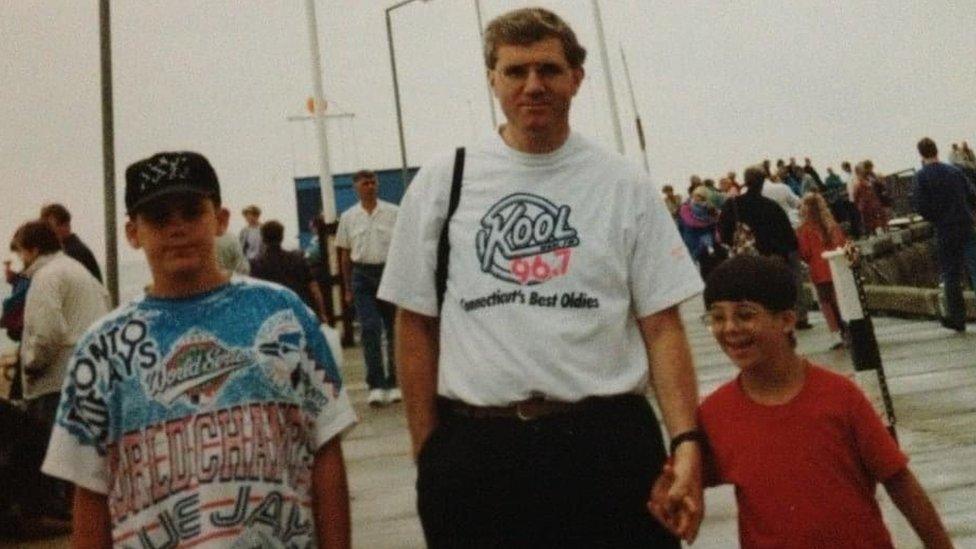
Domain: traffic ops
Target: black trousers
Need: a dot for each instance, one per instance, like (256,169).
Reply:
(570,480)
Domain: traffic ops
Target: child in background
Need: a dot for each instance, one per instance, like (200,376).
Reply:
(671,200)
(802,445)
(819,233)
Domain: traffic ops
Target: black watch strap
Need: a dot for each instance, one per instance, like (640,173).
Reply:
(693,435)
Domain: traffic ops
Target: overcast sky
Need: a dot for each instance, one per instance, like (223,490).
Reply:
(719,84)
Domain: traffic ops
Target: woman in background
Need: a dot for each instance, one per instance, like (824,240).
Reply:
(819,233)
(874,215)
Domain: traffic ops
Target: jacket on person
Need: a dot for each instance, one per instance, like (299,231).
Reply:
(12,319)
(812,247)
(943,196)
(771,228)
(64,299)
(286,267)
(75,248)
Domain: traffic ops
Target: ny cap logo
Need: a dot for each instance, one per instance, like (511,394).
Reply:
(169,167)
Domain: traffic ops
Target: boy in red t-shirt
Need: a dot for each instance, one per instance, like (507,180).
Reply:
(802,445)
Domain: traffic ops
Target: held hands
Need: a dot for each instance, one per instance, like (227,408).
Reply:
(676,499)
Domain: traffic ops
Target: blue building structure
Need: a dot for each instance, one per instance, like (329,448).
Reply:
(308,195)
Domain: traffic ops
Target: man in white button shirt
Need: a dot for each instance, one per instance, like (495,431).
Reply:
(363,240)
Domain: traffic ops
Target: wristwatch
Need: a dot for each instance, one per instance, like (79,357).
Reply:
(693,435)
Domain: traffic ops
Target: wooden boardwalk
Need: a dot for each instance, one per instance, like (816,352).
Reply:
(931,373)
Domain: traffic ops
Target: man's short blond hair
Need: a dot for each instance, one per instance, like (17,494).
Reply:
(527,26)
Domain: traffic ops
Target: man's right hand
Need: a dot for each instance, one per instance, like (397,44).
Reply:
(676,499)
(419,438)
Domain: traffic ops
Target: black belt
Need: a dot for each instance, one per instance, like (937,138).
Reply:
(532,408)
(368,265)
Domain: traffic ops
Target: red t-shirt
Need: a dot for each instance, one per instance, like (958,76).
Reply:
(804,472)
(811,245)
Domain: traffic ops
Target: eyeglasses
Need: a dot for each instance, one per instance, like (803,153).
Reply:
(741,316)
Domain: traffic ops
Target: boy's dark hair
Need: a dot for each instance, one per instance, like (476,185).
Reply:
(60,214)
(272,233)
(927,148)
(527,26)
(36,235)
(767,281)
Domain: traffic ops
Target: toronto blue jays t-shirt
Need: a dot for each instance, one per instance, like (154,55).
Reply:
(199,418)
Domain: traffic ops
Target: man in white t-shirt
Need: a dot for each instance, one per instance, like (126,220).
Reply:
(781,194)
(525,390)
(847,176)
(363,240)
(250,235)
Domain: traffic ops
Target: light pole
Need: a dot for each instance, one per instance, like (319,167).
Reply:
(325,171)
(481,33)
(637,118)
(108,150)
(618,135)
(396,89)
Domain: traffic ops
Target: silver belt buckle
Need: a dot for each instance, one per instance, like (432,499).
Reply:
(519,413)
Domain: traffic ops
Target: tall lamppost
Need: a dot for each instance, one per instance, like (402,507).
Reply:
(318,113)
(396,88)
(618,135)
(108,150)
(481,33)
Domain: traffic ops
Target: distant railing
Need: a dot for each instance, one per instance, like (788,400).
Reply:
(899,185)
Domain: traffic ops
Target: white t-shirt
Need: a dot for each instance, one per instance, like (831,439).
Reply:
(849,181)
(251,242)
(782,195)
(553,257)
(367,236)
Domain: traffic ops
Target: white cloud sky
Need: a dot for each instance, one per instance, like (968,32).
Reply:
(719,84)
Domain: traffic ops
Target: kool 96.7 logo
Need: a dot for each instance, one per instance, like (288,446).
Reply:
(526,239)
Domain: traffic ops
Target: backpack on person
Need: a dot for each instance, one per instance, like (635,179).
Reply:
(743,237)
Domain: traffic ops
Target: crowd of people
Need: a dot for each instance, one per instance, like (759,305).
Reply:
(537,279)
(812,214)
(857,198)
(822,213)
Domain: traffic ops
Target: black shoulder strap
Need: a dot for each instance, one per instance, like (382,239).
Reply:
(444,244)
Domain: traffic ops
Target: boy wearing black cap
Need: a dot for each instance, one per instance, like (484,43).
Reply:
(802,445)
(207,411)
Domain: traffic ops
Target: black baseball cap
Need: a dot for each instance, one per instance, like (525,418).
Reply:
(169,173)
